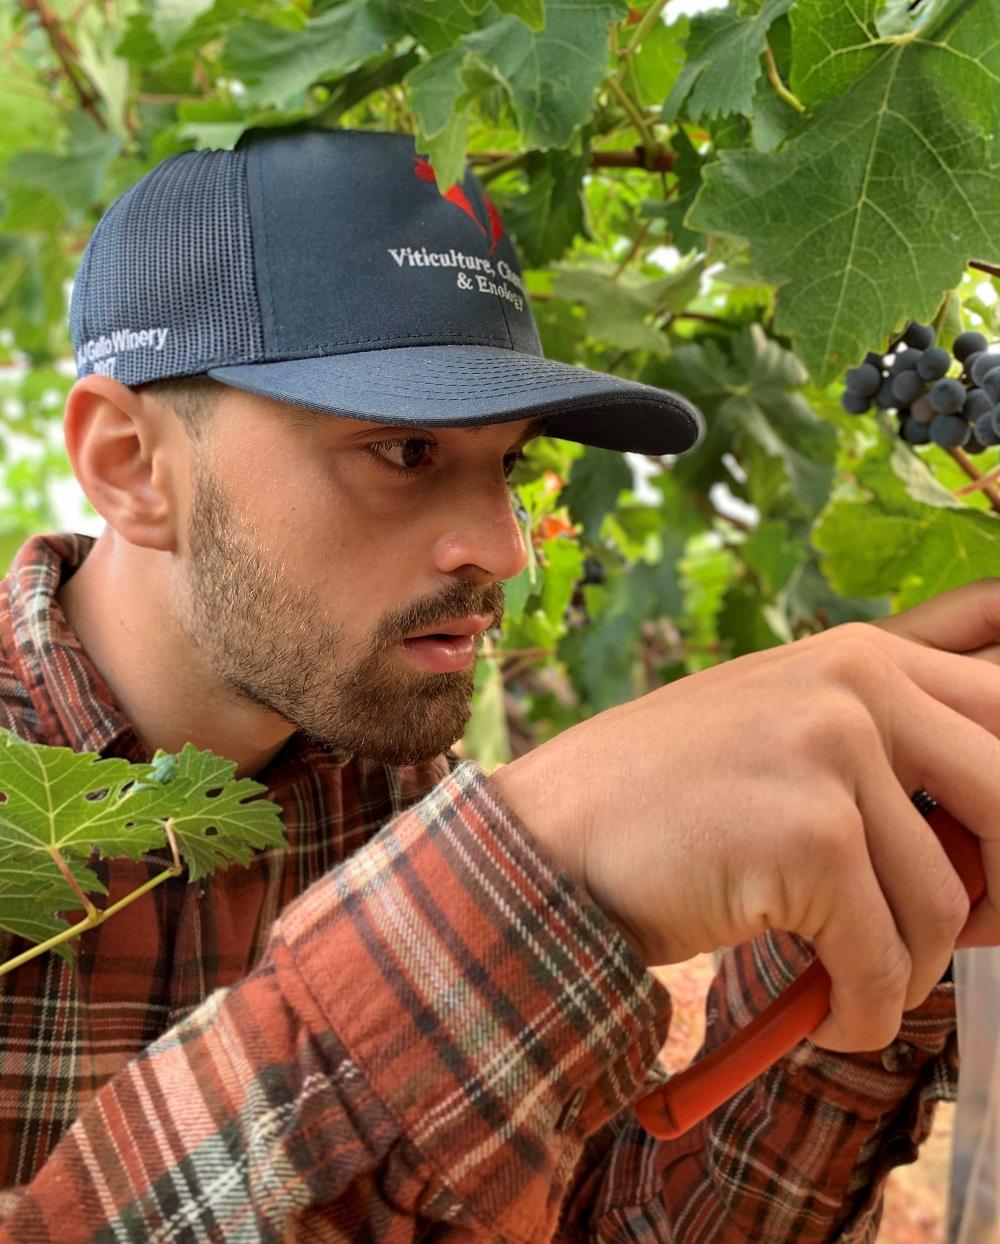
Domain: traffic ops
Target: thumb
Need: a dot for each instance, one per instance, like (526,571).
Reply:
(962,620)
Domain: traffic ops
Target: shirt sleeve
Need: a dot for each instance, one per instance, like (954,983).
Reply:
(434,1030)
(444,1040)
(801,1154)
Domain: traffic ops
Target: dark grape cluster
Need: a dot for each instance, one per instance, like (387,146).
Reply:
(955,412)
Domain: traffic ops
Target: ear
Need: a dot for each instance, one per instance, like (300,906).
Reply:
(127,451)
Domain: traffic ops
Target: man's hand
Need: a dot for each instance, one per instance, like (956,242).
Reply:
(774,792)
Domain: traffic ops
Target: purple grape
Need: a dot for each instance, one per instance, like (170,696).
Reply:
(983,366)
(854,404)
(906,360)
(907,387)
(984,430)
(949,431)
(914,432)
(923,409)
(948,396)
(968,343)
(920,336)
(864,380)
(933,364)
(976,403)
(883,398)
(991,384)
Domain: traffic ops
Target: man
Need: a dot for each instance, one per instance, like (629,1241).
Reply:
(439,1030)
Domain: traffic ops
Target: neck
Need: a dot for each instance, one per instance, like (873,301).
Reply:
(119,603)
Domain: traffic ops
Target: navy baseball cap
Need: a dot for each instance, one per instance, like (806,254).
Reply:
(324,269)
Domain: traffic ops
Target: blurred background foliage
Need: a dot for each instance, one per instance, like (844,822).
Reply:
(736,203)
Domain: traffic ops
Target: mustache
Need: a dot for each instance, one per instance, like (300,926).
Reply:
(458,600)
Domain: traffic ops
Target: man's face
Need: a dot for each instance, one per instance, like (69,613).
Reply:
(316,545)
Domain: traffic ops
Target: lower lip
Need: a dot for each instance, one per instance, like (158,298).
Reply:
(441,656)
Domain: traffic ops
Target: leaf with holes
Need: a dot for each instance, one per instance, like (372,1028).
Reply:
(58,807)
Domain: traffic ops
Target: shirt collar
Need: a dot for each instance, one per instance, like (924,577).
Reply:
(74,704)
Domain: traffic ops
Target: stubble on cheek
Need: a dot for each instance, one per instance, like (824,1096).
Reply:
(272,643)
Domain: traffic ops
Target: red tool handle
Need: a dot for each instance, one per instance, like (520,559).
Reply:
(689,1097)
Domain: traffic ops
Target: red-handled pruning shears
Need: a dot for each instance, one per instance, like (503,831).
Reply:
(690,1096)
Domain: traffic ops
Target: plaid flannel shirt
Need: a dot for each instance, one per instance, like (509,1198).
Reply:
(410,1027)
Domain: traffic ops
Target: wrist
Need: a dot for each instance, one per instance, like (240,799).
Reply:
(526,789)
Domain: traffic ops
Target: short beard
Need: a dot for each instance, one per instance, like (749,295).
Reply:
(272,643)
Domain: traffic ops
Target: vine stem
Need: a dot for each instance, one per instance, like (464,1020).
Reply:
(780,89)
(981,483)
(67,54)
(95,916)
(638,120)
(981,266)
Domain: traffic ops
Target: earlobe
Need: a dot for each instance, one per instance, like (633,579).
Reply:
(121,458)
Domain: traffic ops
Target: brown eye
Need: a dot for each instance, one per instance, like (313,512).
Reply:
(404,455)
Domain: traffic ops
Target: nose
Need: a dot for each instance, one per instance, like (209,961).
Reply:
(482,534)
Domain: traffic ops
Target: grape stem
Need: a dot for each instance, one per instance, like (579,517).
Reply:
(780,89)
(94,915)
(981,266)
(980,482)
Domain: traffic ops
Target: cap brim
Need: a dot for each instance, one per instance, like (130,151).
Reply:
(451,386)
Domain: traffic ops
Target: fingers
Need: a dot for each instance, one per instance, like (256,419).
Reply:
(957,621)
(901,910)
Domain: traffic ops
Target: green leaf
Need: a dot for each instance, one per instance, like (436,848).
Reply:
(437,24)
(550,215)
(277,65)
(55,800)
(486,738)
(216,818)
(77,177)
(531,12)
(901,532)
(723,63)
(616,312)
(750,403)
(595,483)
(658,61)
(436,90)
(563,561)
(872,207)
(551,75)
(171,18)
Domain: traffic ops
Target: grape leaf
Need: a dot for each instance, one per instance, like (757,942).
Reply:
(486,738)
(215,817)
(750,400)
(76,177)
(276,65)
(171,18)
(723,63)
(549,215)
(850,217)
(57,801)
(901,532)
(596,480)
(551,75)
(438,25)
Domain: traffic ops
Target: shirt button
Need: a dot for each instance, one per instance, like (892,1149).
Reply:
(570,1111)
(899,1056)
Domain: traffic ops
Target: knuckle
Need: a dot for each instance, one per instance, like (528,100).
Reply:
(834,723)
(854,655)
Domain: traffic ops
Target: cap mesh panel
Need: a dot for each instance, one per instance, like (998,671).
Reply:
(174,252)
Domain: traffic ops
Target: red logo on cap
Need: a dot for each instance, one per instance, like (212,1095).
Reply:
(425,171)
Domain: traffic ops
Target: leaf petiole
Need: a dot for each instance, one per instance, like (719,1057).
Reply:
(97,917)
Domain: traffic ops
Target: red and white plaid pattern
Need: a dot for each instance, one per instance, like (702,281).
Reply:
(394,1034)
